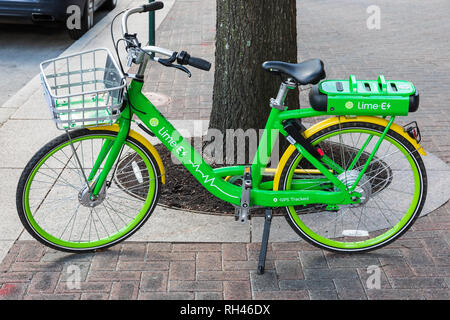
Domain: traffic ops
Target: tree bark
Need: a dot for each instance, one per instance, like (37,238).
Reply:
(248,33)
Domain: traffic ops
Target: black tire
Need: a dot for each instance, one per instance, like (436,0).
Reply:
(87,21)
(48,149)
(110,4)
(358,125)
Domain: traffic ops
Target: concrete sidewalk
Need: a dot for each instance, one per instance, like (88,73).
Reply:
(186,255)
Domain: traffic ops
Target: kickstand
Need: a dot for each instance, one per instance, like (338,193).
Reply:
(265,240)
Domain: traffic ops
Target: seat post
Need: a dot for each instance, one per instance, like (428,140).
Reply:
(278,102)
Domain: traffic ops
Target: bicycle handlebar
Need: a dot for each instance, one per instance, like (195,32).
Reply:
(183,58)
(199,63)
(153,6)
(159,50)
(144,8)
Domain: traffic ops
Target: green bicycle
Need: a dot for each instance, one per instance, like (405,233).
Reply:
(351,183)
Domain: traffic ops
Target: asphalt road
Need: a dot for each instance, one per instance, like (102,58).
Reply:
(23,47)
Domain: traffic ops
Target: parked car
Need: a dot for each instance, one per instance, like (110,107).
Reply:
(53,12)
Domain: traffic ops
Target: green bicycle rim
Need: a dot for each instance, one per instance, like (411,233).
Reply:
(105,241)
(359,245)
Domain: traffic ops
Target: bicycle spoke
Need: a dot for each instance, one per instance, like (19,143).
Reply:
(73,215)
(121,203)
(74,219)
(84,228)
(381,211)
(74,165)
(129,198)
(106,231)
(95,226)
(135,188)
(59,177)
(53,202)
(107,212)
(117,212)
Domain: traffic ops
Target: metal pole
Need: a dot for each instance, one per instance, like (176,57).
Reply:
(151,26)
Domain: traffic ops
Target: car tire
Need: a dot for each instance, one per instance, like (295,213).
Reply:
(110,4)
(87,21)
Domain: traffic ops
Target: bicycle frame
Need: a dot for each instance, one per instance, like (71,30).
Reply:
(214,179)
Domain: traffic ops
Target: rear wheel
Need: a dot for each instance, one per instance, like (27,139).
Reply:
(54,203)
(393,189)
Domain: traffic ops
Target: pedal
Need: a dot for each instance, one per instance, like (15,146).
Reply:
(243,212)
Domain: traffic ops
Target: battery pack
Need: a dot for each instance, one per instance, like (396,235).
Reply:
(365,97)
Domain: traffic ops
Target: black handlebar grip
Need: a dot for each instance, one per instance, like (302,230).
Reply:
(199,63)
(153,6)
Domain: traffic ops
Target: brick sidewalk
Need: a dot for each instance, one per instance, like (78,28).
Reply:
(414,267)
(417,266)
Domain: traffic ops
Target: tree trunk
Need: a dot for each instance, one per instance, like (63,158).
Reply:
(250,32)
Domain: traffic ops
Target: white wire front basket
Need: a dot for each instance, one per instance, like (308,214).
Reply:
(84,89)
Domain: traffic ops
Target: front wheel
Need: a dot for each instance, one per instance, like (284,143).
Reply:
(53,200)
(393,188)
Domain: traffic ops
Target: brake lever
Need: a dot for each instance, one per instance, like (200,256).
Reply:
(169,63)
(182,68)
